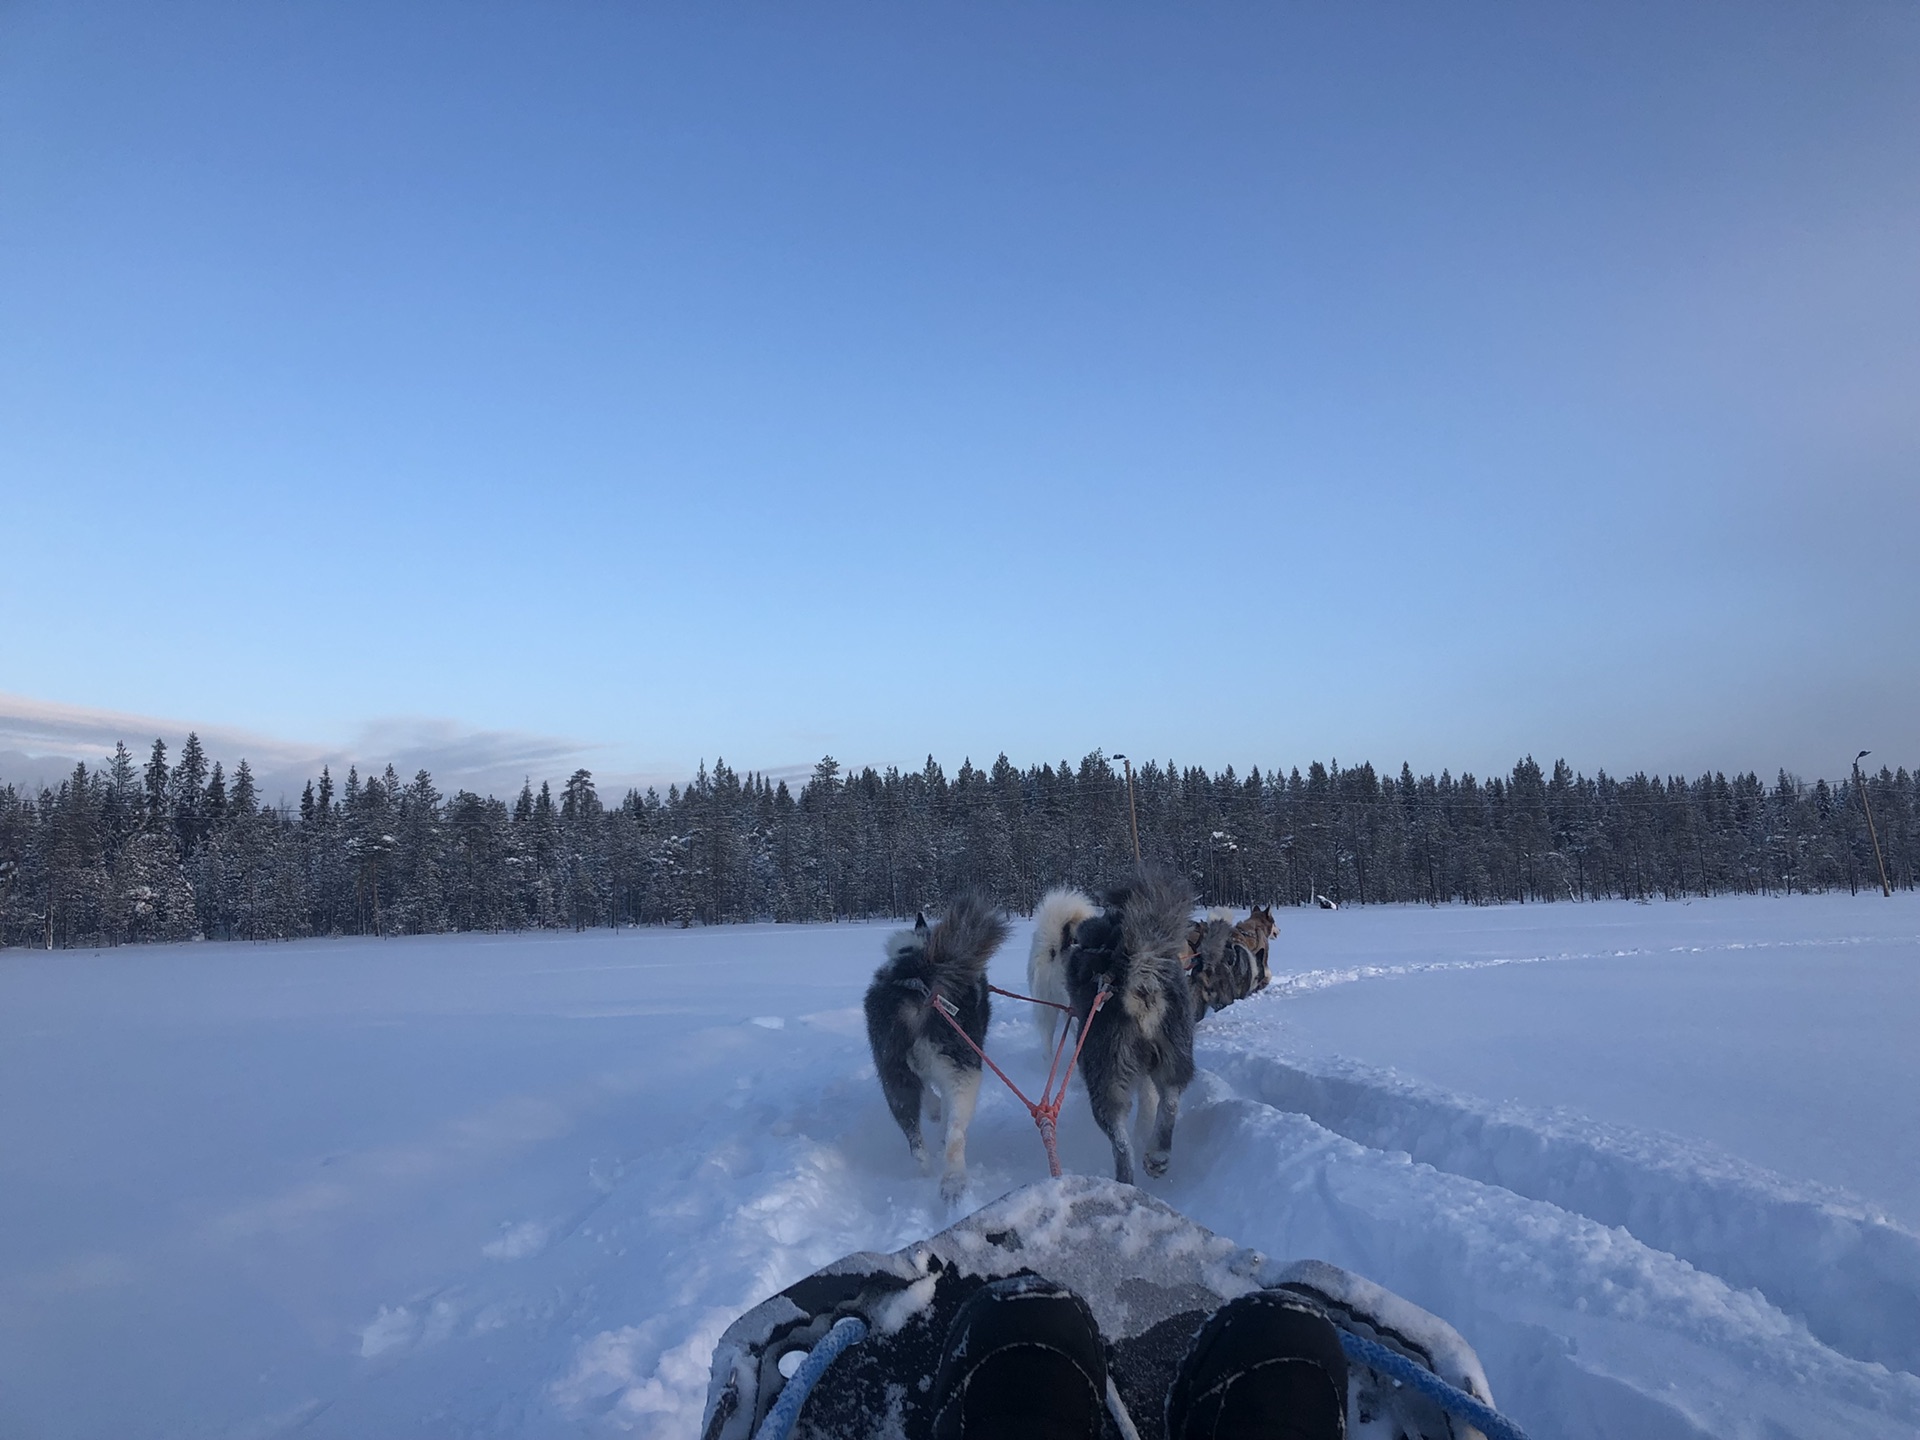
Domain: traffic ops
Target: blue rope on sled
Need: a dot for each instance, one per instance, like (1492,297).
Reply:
(847,1331)
(1477,1413)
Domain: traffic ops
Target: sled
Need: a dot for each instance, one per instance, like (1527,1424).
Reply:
(849,1352)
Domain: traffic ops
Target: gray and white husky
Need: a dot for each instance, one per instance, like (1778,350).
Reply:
(922,1062)
(1141,1042)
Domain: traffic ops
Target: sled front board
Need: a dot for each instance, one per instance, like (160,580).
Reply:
(1150,1276)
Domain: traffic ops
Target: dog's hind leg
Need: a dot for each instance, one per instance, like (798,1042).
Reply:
(963,1093)
(1162,1104)
(1049,1020)
(1146,1113)
(904,1092)
(1147,1120)
(1110,1106)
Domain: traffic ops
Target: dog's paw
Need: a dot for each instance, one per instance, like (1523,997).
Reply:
(953,1186)
(1157,1162)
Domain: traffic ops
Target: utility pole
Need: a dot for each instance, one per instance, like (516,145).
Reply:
(1133,815)
(1860,784)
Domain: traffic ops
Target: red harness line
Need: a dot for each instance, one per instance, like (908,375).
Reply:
(1045,1112)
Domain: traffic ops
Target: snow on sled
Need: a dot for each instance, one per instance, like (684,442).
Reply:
(849,1352)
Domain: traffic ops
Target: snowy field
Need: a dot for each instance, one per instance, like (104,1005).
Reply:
(1660,1164)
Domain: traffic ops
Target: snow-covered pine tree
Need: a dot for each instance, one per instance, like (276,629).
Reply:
(216,808)
(582,866)
(121,812)
(157,811)
(152,898)
(543,831)
(188,797)
(77,873)
(244,800)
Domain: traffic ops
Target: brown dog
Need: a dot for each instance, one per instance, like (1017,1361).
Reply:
(1256,933)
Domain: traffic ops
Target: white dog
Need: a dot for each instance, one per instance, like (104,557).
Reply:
(1054,923)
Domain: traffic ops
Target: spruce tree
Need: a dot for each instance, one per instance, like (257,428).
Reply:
(243,801)
(123,802)
(216,805)
(189,794)
(157,810)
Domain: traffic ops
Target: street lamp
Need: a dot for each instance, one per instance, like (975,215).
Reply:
(1133,815)
(1860,784)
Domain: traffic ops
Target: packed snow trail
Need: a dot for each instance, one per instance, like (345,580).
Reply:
(1584,1330)
(1771,1028)
(1852,1274)
(518,1185)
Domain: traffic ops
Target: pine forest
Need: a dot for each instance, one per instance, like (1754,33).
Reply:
(132,851)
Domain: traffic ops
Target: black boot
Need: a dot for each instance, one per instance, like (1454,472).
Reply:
(1023,1361)
(1267,1366)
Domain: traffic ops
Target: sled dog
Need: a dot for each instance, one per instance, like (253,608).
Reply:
(1142,1040)
(1256,933)
(922,1062)
(1228,960)
(1059,915)
(1220,970)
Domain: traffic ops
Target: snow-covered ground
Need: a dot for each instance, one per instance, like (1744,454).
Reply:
(1660,1164)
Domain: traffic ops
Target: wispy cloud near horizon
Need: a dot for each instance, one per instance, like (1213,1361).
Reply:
(41,739)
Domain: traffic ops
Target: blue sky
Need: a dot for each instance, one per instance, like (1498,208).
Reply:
(1242,384)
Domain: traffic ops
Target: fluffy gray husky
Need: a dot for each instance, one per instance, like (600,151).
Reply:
(920,1060)
(1142,1040)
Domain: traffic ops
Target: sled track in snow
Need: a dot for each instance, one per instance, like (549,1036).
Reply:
(1302,982)
(1818,1254)
(1585,1331)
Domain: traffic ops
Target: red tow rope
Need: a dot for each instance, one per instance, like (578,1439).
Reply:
(1045,1112)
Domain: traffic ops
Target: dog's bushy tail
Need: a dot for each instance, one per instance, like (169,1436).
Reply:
(1156,910)
(1059,914)
(963,943)
(1055,922)
(1215,936)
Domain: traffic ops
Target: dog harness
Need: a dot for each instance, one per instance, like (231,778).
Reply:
(1045,1111)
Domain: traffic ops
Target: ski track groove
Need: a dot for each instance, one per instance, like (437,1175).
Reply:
(1303,982)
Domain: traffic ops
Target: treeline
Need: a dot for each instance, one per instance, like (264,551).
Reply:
(132,852)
